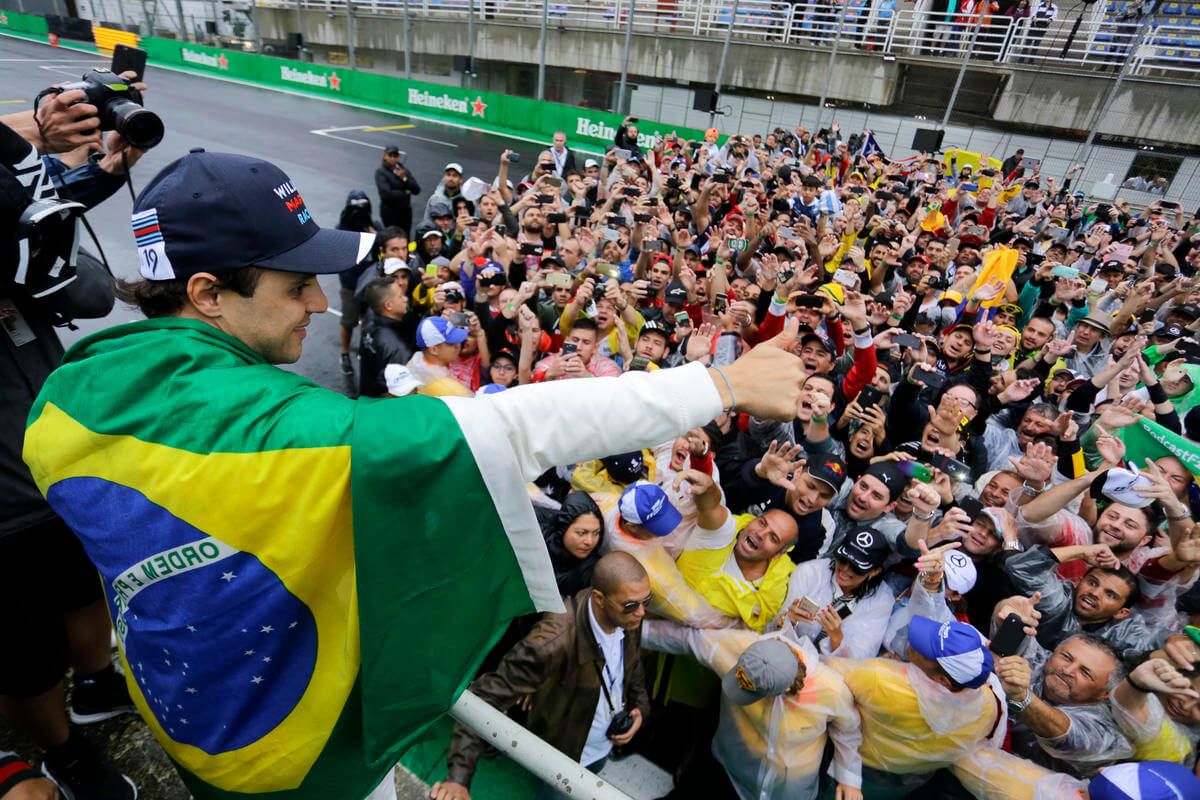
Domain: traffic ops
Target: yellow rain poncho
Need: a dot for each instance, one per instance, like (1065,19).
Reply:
(772,749)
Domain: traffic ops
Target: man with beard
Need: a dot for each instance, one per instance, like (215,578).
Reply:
(868,503)
(1003,442)
(449,190)
(737,563)
(801,487)
(1058,703)
(1125,524)
(1101,604)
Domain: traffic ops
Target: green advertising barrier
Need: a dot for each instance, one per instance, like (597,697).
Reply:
(486,111)
(16,22)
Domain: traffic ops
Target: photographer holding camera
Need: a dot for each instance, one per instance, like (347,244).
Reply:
(581,672)
(55,618)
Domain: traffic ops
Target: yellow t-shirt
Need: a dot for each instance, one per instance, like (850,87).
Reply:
(714,574)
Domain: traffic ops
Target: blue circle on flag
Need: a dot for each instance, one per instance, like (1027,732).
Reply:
(220,647)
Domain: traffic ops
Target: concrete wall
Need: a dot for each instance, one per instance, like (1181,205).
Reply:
(859,78)
(1158,112)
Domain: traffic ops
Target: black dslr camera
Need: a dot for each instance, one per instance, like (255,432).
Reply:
(120,106)
(620,724)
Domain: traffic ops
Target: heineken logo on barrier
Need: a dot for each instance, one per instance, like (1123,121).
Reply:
(602,130)
(3,18)
(190,56)
(310,78)
(446,102)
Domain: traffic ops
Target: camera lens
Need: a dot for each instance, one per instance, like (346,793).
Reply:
(140,127)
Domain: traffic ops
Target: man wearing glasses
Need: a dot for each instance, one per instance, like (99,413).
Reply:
(581,672)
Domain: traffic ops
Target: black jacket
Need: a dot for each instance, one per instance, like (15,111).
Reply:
(385,341)
(394,193)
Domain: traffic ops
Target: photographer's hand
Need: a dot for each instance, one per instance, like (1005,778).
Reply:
(121,155)
(627,736)
(66,123)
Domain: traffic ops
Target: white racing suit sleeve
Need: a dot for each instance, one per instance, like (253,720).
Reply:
(564,422)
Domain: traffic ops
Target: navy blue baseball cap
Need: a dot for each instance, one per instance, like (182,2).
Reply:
(220,212)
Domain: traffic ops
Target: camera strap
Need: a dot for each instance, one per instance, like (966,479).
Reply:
(604,686)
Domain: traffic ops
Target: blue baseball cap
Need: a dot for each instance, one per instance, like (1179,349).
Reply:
(220,212)
(646,504)
(1145,780)
(436,330)
(957,647)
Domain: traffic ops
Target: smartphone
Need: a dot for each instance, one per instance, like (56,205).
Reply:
(906,340)
(638,364)
(514,157)
(654,246)
(431,270)
(131,59)
(544,198)
(1059,234)
(559,280)
(501,229)
(951,466)
(569,348)
(458,319)
(916,470)
(972,506)
(642,218)
(552,180)
(809,606)
(1189,349)
(720,303)
(1009,637)
(621,153)
(842,607)
(556,218)
(720,177)
(930,377)
(633,120)
(1120,252)
(674,183)
(530,249)
(631,191)
(737,244)
(786,274)
(809,301)
(846,278)
(869,396)
(1062,271)
(610,234)
(1171,204)
(607,269)
(682,320)
(696,181)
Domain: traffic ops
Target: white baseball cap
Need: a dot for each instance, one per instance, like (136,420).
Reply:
(400,381)
(453,165)
(960,572)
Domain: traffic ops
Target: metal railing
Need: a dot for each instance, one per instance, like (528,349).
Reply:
(1169,48)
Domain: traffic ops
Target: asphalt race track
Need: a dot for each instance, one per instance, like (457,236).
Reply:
(326,148)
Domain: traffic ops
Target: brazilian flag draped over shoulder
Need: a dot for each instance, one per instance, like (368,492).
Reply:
(300,582)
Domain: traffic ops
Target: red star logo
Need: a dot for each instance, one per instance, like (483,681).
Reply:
(335,82)
(223,62)
(478,107)
(3,18)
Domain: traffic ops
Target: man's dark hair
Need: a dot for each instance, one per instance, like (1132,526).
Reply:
(586,325)
(389,233)
(811,181)
(377,293)
(157,299)
(1124,573)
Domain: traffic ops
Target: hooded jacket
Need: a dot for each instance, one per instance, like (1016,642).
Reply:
(571,573)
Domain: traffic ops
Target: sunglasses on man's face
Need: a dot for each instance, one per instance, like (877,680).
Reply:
(632,605)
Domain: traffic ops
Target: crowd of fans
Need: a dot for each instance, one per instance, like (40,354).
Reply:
(966,564)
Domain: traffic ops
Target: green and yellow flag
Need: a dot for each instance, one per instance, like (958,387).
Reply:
(300,582)
(1147,439)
